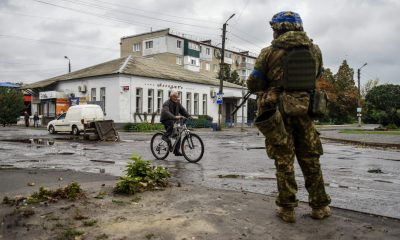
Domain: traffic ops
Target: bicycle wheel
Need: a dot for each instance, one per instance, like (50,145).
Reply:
(192,148)
(159,147)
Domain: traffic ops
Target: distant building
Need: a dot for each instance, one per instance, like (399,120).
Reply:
(187,52)
(130,88)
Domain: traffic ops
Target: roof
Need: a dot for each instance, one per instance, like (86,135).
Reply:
(9,85)
(136,66)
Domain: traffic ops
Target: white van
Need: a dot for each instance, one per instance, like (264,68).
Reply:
(74,119)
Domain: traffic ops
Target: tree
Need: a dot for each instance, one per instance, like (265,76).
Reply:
(368,86)
(383,104)
(11,105)
(344,108)
(227,75)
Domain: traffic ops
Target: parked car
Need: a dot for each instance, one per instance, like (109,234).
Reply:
(75,118)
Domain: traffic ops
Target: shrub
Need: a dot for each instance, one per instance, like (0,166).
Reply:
(143,127)
(203,121)
(141,176)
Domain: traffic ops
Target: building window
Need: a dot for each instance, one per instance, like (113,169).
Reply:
(136,47)
(179,96)
(150,102)
(160,100)
(204,104)
(201,49)
(215,67)
(208,51)
(179,44)
(103,98)
(228,54)
(189,102)
(196,104)
(207,66)
(193,62)
(93,94)
(179,60)
(149,44)
(193,46)
(139,100)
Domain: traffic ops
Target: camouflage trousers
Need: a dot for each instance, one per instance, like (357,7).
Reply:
(303,142)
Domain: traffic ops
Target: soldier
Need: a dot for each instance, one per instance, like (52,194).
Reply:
(283,77)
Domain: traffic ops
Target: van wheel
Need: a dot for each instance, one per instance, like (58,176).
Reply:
(52,130)
(75,130)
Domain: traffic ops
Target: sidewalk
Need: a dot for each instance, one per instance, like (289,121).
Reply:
(185,212)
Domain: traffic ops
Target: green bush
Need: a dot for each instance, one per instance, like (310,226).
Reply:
(392,126)
(141,176)
(143,127)
(206,117)
(203,121)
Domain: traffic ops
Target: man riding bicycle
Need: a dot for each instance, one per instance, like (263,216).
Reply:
(172,111)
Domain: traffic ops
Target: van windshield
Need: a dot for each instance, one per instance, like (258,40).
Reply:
(62,116)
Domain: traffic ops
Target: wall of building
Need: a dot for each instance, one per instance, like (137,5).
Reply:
(110,83)
(126,47)
(120,104)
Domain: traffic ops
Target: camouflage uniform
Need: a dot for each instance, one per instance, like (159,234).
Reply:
(302,139)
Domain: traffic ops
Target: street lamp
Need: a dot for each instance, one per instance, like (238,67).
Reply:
(221,68)
(69,63)
(359,94)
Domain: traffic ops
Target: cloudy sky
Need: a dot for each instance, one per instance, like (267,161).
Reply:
(35,35)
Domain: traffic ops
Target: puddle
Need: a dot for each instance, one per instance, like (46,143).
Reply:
(252,148)
(32,141)
(384,181)
(60,153)
(238,176)
(103,161)
(377,170)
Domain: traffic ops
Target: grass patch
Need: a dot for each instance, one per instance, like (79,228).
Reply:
(141,176)
(89,223)
(69,234)
(370,132)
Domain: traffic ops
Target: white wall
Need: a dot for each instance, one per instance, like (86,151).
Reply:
(159,46)
(172,45)
(121,105)
(109,82)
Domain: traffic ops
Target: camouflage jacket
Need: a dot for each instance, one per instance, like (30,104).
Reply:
(269,64)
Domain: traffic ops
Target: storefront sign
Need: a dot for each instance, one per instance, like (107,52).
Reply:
(51,95)
(62,105)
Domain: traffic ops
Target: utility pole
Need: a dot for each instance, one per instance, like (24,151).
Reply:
(359,94)
(221,71)
(69,64)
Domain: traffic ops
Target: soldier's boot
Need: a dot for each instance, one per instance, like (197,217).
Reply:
(286,214)
(321,213)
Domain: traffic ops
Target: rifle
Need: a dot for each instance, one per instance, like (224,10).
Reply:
(245,98)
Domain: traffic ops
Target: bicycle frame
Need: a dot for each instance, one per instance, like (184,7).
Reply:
(182,132)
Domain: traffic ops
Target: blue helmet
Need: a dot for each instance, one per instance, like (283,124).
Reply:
(286,20)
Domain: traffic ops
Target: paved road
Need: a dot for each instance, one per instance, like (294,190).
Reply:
(358,178)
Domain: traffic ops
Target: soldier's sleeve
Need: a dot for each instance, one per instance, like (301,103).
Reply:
(257,81)
(320,66)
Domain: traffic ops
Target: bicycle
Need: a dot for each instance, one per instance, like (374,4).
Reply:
(192,146)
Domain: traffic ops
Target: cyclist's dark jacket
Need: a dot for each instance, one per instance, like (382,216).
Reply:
(171,109)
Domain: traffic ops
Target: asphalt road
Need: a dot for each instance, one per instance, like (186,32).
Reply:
(357,178)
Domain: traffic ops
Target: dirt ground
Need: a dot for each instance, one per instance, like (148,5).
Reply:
(178,212)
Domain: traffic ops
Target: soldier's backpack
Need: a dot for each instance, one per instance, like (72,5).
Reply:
(299,70)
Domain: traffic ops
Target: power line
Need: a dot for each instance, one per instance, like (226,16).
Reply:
(55,42)
(133,23)
(124,12)
(58,19)
(246,34)
(258,47)
(137,9)
(240,14)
